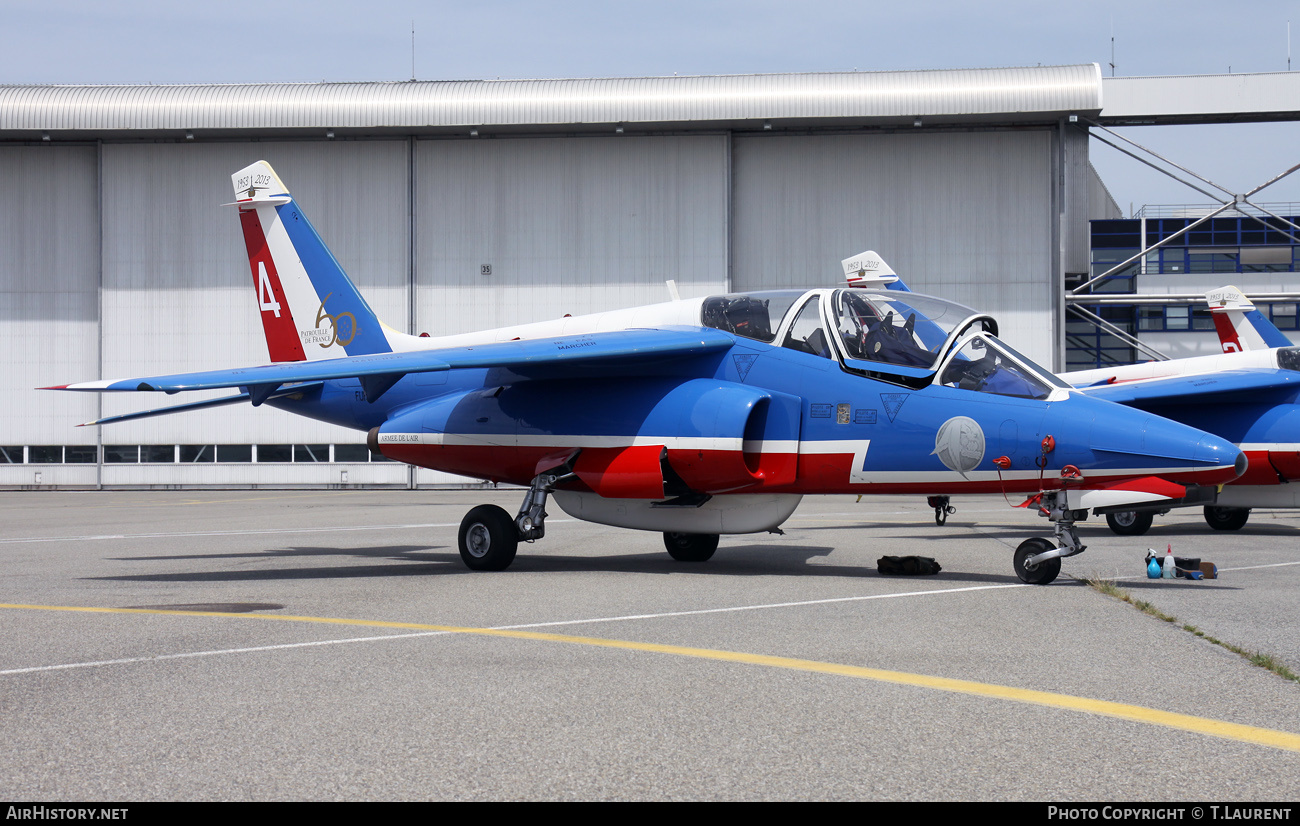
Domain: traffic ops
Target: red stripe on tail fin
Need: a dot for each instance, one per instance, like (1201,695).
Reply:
(282,341)
(1227,333)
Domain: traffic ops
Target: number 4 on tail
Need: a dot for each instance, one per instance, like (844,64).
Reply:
(265,293)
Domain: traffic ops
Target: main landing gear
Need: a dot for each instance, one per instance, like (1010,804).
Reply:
(1037,561)
(942,508)
(1130,523)
(489,538)
(1226,519)
(1136,523)
(691,547)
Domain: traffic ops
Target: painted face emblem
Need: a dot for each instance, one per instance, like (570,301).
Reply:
(959,444)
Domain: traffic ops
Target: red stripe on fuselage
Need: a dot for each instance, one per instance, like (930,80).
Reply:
(282,342)
(818,473)
(1265,465)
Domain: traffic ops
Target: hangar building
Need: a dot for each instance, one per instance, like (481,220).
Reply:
(460,205)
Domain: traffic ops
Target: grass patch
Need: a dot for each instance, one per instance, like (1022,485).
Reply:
(1268,661)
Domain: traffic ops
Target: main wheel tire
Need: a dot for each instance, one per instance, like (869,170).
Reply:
(1226,519)
(1043,572)
(1130,523)
(691,547)
(488,539)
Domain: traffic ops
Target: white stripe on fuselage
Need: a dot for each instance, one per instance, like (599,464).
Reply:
(857,448)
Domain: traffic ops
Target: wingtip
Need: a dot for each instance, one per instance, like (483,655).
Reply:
(54,387)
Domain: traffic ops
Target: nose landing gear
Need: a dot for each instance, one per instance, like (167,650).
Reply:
(1036,561)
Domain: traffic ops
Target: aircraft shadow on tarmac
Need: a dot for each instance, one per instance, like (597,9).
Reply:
(731,560)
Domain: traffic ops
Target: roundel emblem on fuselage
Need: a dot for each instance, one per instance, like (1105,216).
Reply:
(959,444)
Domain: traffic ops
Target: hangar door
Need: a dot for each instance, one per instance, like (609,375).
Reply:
(517,230)
(964,215)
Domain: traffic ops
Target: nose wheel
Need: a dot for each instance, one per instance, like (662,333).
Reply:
(1031,571)
(1038,561)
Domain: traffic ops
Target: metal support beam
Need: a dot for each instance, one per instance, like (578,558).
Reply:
(1168,298)
(1122,335)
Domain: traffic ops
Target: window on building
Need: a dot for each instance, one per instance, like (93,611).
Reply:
(275,453)
(121,454)
(234,453)
(311,453)
(198,453)
(351,453)
(158,454)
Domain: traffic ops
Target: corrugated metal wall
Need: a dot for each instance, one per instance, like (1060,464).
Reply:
(49,291)
(964,215)
(567,225)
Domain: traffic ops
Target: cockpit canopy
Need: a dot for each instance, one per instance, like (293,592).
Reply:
(891,327)
(918,338)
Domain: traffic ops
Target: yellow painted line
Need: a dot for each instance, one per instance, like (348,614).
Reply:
(1272,738)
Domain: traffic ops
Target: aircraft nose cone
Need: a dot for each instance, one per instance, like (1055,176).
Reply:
(1170,447)
(1242,463)
(1212,450)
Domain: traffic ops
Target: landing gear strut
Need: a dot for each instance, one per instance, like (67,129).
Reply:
(942,510)
(489,538)
(1036,561)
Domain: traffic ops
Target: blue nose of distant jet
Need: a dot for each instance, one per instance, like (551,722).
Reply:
(1123,438)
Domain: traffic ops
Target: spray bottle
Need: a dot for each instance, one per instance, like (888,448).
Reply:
(1168,571)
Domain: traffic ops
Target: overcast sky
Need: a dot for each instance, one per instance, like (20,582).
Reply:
(134,41)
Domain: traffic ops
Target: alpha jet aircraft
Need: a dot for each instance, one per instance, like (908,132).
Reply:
(693,418)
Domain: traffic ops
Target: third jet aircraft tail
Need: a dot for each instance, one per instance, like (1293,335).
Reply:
(1240,326)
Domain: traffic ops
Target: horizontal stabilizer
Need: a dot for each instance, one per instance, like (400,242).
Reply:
(271,375)
(203,405)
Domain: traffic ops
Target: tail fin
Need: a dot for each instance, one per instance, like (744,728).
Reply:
(868,269)
(1239,325)
(310,308)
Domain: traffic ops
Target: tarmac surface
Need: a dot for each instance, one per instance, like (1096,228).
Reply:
(301,645)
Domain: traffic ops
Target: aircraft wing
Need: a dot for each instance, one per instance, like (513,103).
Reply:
(1227,387)
(383,370)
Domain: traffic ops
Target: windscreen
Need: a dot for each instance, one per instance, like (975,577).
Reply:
(985,365)
(895,327)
